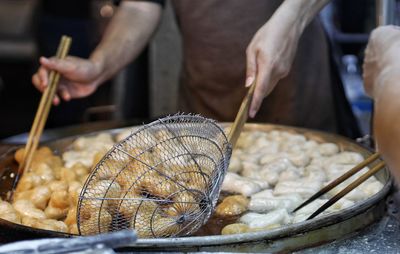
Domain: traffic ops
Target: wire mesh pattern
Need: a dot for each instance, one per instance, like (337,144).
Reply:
(163,180)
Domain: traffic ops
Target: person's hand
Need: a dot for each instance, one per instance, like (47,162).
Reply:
(381,75)
(382,49)
(79,77)
(270,56)
(271,52)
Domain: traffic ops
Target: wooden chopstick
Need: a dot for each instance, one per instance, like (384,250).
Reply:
(349,188)
(339,180)
(43,110)
(241,117)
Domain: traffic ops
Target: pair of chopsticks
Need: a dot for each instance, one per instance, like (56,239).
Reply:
(341,179)
(43,110)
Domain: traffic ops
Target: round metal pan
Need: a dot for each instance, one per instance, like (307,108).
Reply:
(287,238)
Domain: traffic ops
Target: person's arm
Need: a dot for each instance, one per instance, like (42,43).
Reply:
(381,81)
(271,52)
(127,34)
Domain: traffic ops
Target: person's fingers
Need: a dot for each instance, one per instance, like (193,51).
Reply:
(251,66)
(64,93)
(56,100)
(262,81)
(36,82)
(43,77)
(60,65)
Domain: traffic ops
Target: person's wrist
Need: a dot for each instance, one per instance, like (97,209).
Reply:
(98,64)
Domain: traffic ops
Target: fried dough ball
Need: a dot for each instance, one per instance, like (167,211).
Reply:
(232,206)
(236,228)
(183,203)
(19,155)
(73,229)
(189,176)
(95,226)
(130,176)
(55,212)
(40,196)
(58,185)
(74,191)
(44,171)
(143,219)
(165,226)
(58,205)
(28,182)
(7,212)
(22,195)
(27,208)
(129,204)
(67,175)
(97,158)
(80,170)
(59,199)
(46,224)
(103,192)
(71,217)
(158,185)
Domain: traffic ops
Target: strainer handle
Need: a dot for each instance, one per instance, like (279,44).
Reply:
(241,117)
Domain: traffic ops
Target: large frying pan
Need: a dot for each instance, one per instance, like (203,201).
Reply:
(309,233)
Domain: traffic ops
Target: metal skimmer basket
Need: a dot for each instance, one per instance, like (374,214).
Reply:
(163,180)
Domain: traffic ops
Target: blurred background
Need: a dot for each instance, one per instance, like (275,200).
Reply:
(147,88)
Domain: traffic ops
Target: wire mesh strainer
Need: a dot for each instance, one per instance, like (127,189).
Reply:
(163,180)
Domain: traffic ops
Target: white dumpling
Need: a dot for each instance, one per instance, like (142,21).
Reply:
(272,148)
(346,158)
(315,175)
(271,178)
(306,211)
(310,145)
(256,220)
(237,184)
(235,165)
(263,194)
(299,159)
(371,188)
(269,158)
(289,175)
(288,202)
(328,149)
(304,188)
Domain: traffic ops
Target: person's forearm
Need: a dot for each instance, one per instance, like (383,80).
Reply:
(299,12)
(127,34)
(381,81)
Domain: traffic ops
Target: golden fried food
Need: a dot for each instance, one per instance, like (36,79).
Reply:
(58,185)
(40,196)
(71,217)
(73,229)
(7,212)
(58,205)
(27,209)
(46,224)
(59,199)
(80,170)
(232,206)
(129,204)
(28,182)
(184,203)
(94,225)
(74,191)
(236,228)
(144,217)
(68,175)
